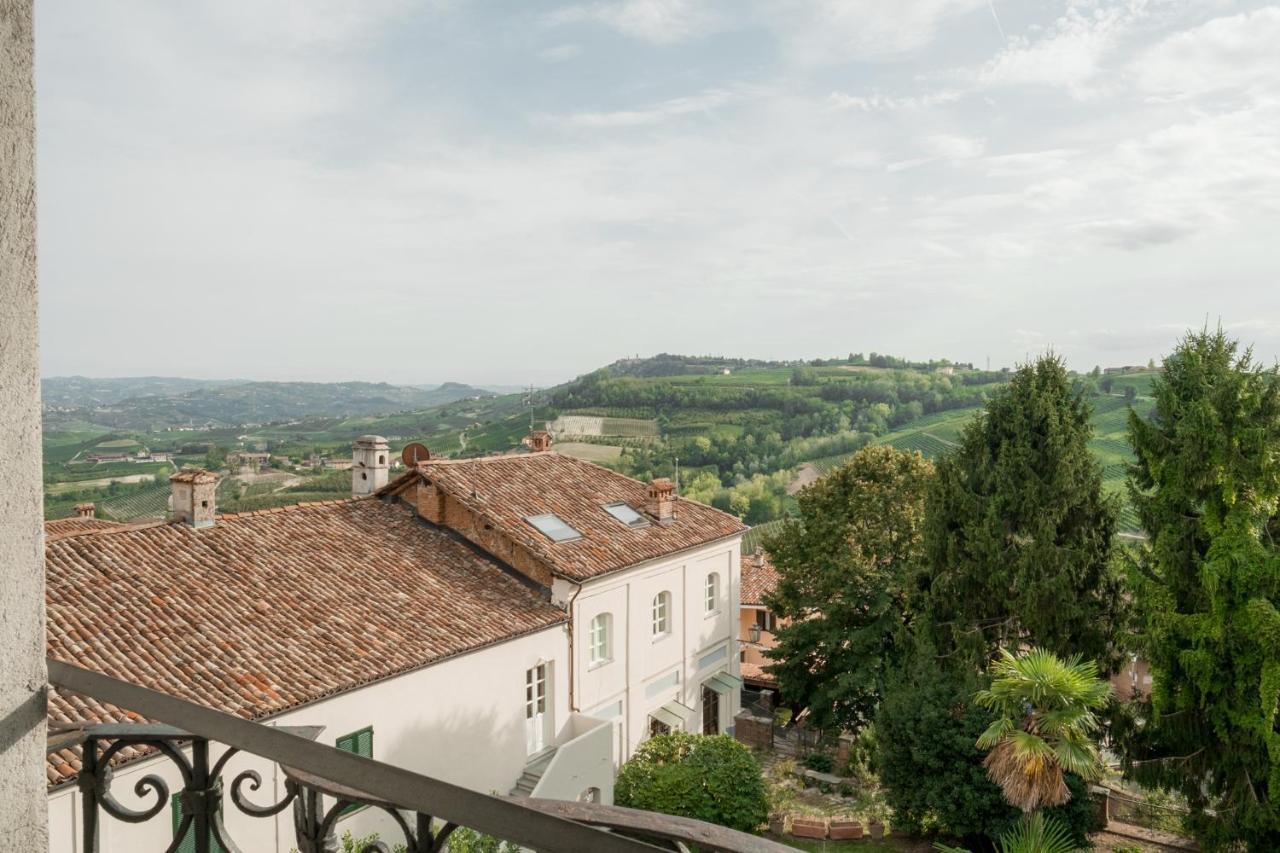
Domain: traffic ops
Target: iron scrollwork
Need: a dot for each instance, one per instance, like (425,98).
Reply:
(201,796)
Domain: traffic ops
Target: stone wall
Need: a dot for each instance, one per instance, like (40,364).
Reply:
(23,810)
(755,732)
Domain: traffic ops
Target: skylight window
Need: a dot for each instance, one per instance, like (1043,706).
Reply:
(553,527)
(627,515)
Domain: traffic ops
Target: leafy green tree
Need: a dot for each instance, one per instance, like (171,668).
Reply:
(928,760)
(843,567)
(1018,532)
(1206,486)
(707,777)
(1044,726)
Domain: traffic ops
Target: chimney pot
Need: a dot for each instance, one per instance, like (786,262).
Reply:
(191,496)
(660,501)
(759,557)
(85,510)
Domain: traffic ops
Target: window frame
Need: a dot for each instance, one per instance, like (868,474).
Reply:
(660,615)
(600,639)
(711,594)
(354,739)
(532,521)
(635,524)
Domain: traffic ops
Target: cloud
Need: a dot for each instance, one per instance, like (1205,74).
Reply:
(888,103)
(1132,235)
(655,21)
(948,146)
(665,111)
(560,52)
(1239,52)
(837,31)
(1070,53)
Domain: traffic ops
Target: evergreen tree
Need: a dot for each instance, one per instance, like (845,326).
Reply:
(1205,486)
(1018,533)
(842,570)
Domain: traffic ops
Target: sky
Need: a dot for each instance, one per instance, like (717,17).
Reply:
(520,192)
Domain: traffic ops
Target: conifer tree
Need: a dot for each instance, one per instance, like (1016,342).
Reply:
(1205,486)
(1018,534)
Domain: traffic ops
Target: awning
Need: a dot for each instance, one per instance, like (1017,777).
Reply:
(672,715)
(723,682)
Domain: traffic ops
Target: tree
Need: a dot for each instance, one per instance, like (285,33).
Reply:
(842,571)
(1044,726)
(1018,532)
(928,760)
(707,777)
(1107,383)
(1206,486)
(1033,835)
(1130,393)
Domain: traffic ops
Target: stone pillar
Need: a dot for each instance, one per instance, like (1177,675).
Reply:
(755,732)
(23,808)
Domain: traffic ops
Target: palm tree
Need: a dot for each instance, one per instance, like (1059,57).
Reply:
(1045,726)
(1033,834)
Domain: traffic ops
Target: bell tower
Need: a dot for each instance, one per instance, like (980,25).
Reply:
(371,465)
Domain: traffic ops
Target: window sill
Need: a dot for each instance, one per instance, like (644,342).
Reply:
(660,637)
(600,664)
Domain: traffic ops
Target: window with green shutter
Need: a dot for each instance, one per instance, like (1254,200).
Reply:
(188,844)
(361,743)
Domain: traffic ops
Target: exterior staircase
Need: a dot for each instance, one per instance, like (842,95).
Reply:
(532,774)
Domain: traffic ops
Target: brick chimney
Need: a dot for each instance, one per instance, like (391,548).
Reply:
(660,502)
(85,510)
(539,441)
(191,497)
(370,465)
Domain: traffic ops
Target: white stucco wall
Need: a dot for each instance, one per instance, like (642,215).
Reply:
(462,720)
(645,672)
(22,669)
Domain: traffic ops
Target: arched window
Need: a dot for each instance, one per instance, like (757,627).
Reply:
(600,641)
(661,614)
(711,593)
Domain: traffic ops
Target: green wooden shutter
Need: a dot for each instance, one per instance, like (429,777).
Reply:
(360,743)
(188,844)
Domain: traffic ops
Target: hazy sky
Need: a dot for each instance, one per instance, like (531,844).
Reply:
(520,192)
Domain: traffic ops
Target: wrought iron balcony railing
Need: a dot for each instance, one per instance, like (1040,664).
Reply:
(321,782)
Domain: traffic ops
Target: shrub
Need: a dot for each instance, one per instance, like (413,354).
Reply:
(706,777)
(819,761)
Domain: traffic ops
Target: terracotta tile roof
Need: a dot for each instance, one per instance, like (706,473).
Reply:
(272,609)
(506,490)
(60,527)
(755,673)
(757,580)
(194,475)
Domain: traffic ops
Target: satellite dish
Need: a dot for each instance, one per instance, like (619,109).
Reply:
(414,453)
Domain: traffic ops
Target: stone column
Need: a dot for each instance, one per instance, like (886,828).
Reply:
(23,808)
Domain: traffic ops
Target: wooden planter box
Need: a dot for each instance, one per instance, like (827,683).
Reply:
(777,823)
(807,827)
(845,829)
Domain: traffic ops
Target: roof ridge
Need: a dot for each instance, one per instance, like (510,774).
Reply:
(276,510)
(106,530)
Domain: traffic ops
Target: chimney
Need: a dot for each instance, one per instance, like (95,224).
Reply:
(759,557)
(191,498)
(661,501)
(370,465)
(85,510)
(539,441)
